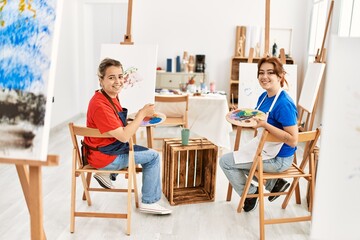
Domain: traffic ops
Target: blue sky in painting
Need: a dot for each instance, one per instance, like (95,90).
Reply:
(25,43)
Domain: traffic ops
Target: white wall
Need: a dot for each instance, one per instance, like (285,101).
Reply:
(199,27)
(66,92)
(208,27)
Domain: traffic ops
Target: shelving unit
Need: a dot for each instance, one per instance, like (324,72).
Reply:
(171,80)
(234,76)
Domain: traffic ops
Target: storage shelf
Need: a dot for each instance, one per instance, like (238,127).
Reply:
(171,80)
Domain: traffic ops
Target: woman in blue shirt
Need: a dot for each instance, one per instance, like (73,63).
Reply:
(281,122)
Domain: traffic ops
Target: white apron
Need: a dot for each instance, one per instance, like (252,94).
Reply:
(270,150)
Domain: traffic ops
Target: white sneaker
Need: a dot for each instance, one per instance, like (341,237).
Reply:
(104,180)
(154,208)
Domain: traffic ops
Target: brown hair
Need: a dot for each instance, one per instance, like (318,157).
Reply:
(278,68)
(105,64)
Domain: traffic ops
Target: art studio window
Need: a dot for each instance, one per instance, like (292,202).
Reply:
(349,17)
(317,27)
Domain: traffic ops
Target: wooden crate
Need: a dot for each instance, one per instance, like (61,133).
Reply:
(189,172)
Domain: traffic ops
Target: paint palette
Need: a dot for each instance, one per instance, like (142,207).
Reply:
(244,117)
(155,119)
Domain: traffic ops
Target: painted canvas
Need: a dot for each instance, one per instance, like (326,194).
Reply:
(28,43)
(139,63)
(250,89)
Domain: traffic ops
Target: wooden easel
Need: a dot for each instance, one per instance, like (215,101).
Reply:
(307,125)
(128,41)
(128,37)
(267,28)
(250,60)
(319,58)
(29,172)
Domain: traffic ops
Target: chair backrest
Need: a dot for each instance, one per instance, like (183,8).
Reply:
(305,120)
(174,100)
(308,137)
(78,132)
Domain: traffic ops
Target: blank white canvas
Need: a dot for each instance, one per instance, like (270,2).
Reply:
(337,193)
(250,89)
(312,80)
(142,57)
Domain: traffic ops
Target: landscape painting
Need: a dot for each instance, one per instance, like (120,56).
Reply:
(28,45)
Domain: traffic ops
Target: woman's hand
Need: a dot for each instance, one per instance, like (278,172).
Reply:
(147,110)
(260,122)
(123,134)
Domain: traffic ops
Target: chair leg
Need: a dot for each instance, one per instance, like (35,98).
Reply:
(243,195)
(297,194)
(294,184)
(88,180)
(86,188)
(297,189)
(261,207)
(312,181)
(149,136)
(129,192)
(73,197)
(247,186)
(229,193)
(135,189)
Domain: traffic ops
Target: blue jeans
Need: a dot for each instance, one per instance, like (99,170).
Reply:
(150,162)
(237,173)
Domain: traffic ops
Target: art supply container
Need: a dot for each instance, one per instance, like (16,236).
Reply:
(185,132)
(212,87)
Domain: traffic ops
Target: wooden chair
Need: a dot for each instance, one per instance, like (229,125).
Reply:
(295,172)
(182,118)
(179,119)
(79,169)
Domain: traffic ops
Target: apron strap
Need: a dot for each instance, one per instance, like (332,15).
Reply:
(273,103)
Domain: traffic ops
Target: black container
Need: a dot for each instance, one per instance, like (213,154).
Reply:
(199,63)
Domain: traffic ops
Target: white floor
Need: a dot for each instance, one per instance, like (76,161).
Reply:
(213,220)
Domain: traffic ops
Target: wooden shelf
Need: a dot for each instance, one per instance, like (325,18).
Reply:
(171,80)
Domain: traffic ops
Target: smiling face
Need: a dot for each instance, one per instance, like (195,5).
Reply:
(268,78)
(113,81)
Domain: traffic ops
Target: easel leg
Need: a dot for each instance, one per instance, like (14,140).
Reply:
(149,136)
(33,201)
(36,206)
(23,174)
